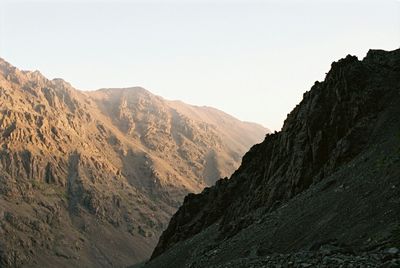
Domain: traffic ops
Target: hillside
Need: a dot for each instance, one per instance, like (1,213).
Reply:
(322,192)
(115,162)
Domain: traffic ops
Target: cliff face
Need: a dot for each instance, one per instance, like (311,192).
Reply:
(331,146)
(118,162)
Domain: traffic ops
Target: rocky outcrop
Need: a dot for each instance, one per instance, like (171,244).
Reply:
(348,119)
(116,162)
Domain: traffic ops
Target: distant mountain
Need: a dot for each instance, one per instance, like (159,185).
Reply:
(323,192)
(90,179)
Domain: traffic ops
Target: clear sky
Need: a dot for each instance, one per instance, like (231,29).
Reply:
(252,59)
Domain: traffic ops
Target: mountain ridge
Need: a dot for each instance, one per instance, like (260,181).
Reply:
(335,137)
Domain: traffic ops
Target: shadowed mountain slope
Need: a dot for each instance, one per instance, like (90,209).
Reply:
(323,191)
(91,178)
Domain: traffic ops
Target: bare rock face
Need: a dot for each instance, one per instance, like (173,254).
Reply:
(91,178)
(320,179)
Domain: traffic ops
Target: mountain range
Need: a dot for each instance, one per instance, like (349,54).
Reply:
(91,178)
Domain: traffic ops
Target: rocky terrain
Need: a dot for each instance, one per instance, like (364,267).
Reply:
(91,179)
(323,192)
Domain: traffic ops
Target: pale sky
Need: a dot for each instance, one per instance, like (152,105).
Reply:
(252,59)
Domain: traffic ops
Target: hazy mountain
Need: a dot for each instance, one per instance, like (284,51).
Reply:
(323,192)
(91,178)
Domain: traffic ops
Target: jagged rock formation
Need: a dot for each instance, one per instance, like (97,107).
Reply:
(91,178)
(330,178)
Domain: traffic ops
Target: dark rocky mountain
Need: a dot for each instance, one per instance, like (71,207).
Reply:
(324,191)
(91,178)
